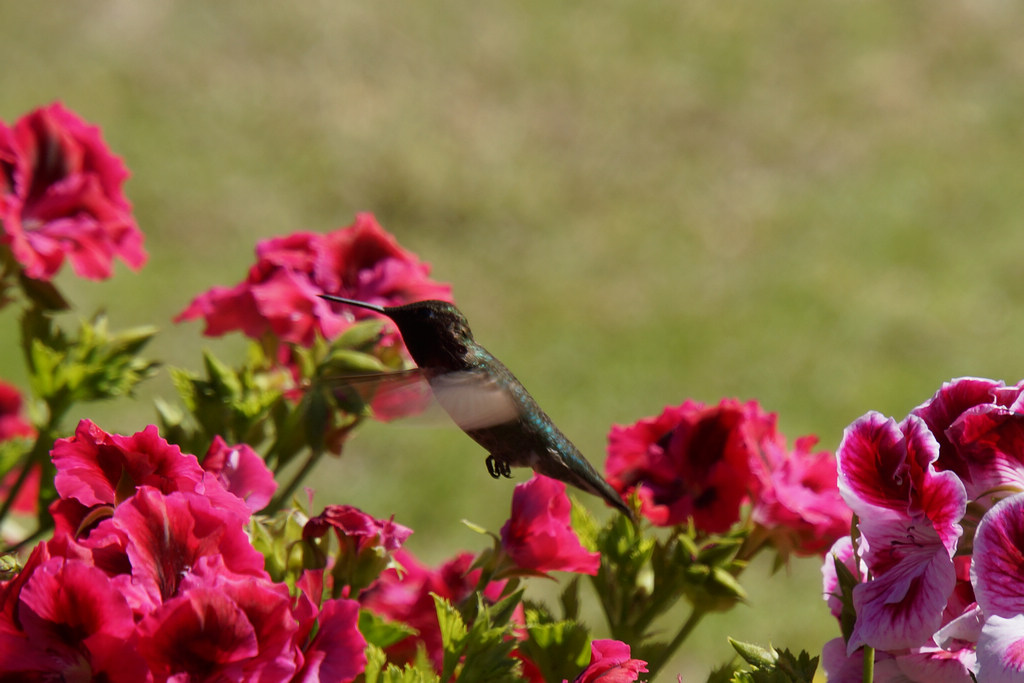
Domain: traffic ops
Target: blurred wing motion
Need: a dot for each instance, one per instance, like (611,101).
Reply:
(387,395)
(472,399)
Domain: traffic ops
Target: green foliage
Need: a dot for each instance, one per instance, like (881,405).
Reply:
(773,666)
(379,671)
(559,647)
(480,651)
(94,365)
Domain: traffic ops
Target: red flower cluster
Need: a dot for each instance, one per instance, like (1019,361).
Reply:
(280,294)
(704,462)
(150,577)
(60,196)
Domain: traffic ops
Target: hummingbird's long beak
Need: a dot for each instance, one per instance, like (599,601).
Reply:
(353,302)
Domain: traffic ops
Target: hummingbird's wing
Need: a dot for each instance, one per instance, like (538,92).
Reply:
(475,399)
(387,395)
(472,399)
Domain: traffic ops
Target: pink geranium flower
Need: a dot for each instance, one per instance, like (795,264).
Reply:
(237,627)
(280,294)
(610,662)
(337,650)
(68,621)
(796,498)
(909,520)
(97,468)
(61,197)
(692,461)
(242,472)
(539,535)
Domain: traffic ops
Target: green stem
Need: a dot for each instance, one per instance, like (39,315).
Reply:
(666,652)
(286,493)
(869,664)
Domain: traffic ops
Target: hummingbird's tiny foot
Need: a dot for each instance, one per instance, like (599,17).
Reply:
(493,468)
(498,468)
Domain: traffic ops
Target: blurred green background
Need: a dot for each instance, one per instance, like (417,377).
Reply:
(815,206)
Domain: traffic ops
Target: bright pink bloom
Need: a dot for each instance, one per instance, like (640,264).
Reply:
(280,294)
(168,534)
(909,519)
(221,626)
(67,621)
(797,499)
(337,651)
(97,468)
(979,424)
(610,663)
(539,535)
(405,596)
(61,196)
(242,472)
(692,461)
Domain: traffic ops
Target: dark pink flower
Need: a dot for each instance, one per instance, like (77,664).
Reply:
(909,520)
(68,621)
(692,461)
(366,544)
(61,196)
(242,472)
(97,468)
(539,536)
(167,534)
(221,626)
(797,499)
(280,294)
(610,663)
(337,650)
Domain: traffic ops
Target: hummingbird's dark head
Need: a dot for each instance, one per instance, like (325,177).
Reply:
(435,332)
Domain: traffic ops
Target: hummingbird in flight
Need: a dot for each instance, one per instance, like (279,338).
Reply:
(486,400)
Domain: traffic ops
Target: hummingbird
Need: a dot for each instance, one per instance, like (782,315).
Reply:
(486,400)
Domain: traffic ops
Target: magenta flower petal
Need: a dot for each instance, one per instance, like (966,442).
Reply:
(997,570)
(1001,650)
(610,662)
(76,623)
(168,534)
(909,517)
(539,535)
(337,652)
(242,472)
(902,607)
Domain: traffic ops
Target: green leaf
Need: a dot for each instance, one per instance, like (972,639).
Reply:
(382,632)
(453,635)
(772,666)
